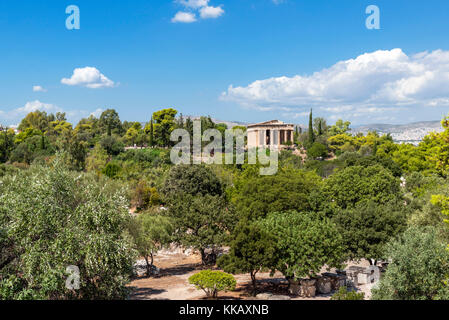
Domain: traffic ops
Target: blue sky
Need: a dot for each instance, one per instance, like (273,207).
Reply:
(244,60)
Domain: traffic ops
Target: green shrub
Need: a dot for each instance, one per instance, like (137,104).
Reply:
(317,150)
(344,294)
(212,282)
(112,170)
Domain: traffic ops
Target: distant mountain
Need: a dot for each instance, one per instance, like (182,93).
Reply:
(230,124)
(405,133)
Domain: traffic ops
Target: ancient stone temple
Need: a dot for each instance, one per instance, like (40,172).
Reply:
(273,134)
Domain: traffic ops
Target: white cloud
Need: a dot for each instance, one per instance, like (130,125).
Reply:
(211,12)
(16,115)
(97,113)
(31,106)
(370,83)
(88,77)
(39,89)
(36,105)
(184,17)
(193,7)
(194,4)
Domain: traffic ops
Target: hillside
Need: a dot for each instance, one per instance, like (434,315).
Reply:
(406,133)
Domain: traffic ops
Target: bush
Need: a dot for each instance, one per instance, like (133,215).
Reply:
(212,282)
(344,294)
(317,150)
(144,196)
(112,170)
(146,157)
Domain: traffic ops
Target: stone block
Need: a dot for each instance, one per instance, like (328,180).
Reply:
(324,285)
(308,288)
(337,280)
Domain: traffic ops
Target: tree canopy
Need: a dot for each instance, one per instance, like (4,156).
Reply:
(52,219)
(305,242)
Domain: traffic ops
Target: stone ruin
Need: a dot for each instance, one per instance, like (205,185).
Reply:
(327,282)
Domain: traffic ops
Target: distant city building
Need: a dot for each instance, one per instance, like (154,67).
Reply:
(272,133)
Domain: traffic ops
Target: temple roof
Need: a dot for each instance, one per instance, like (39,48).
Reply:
(270,123)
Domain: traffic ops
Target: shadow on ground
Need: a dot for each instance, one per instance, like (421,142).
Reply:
(142,293)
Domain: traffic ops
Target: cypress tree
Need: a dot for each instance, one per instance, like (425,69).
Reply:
(181,121)
(42,142)
(151,133)
(311,133)
(320,128)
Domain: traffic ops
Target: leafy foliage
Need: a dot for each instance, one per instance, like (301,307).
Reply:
(151,233)
(252,250)
(255,196)
(368,226)
(305,242)
(317,150)
(193,180)
(53,218)
(354,184)
(202,222)
(419,267)
(344,293)
(212,282)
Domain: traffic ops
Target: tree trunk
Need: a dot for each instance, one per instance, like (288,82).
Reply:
(148,266)
(289,279)
(254,282)
(203,256)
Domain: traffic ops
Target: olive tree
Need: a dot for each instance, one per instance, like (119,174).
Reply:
(151,233)
(418,270)
(53,218)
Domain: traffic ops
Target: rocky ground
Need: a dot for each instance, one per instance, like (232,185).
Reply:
(174,267)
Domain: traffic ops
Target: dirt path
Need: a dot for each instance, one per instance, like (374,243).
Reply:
(173,284)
